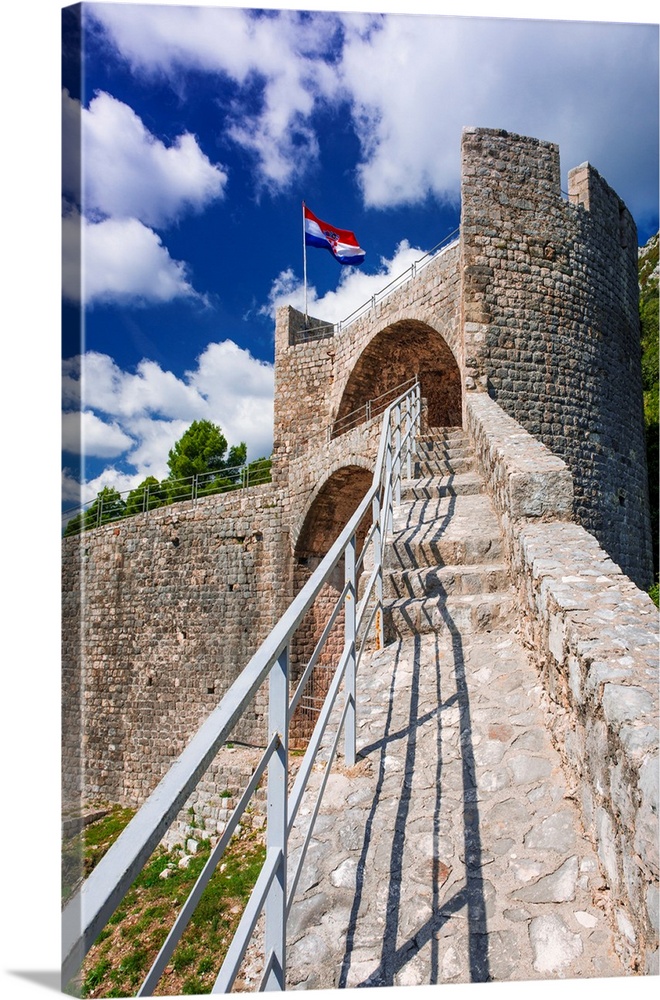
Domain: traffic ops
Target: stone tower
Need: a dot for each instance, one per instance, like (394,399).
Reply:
(536,304)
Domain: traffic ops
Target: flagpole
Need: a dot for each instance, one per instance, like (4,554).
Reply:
(304,261)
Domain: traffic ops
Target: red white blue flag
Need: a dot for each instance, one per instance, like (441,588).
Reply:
(341,243)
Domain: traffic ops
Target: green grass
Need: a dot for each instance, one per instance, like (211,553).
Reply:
(124,951)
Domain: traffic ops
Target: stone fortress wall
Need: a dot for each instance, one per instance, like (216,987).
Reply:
(535,307)
(173,607)
(551,321)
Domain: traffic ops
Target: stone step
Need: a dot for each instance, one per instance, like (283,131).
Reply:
(443,455)
(445,434)
(444,531)
(441,465)
(444,581)
(430,487)
(465,614)
(427,446)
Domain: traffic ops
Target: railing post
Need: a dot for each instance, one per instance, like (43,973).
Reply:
(417,412)
(409,432)
(349,644)
(368,409)
(378,564)
(277,821)
(387,513)
(397,453)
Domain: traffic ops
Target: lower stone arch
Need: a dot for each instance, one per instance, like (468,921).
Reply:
(334,503)
(400,351)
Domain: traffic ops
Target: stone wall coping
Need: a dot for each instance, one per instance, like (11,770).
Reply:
(529,479)
(594,634)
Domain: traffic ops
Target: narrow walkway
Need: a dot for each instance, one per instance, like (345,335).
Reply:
(453,851)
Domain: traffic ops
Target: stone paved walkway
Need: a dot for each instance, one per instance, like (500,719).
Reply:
(453,850)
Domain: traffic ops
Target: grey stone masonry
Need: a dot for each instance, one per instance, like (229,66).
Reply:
(594,637)
(161,613)
(551,324)
(535,304)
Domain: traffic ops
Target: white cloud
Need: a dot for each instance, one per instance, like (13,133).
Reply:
(411,83)
(129,173)
(422,79)
(238,390)
(151,408)
(284,53)
(71,159)
(118,260)
(125,261)
(71,253)
(99,383)
(355,287)
(86,434)
(134,181)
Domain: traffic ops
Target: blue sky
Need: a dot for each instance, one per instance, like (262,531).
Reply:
(204,128)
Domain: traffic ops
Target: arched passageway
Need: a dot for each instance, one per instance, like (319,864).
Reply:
(396,354)
(332,507)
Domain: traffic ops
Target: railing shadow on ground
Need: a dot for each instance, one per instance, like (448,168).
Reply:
(471,895)
(409,545)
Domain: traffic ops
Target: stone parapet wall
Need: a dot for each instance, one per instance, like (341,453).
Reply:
(175,602)
(594,637)
(524,477)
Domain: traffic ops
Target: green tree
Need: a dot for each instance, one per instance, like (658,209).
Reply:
(648,314)
(258,472)
(236,458)
(75,525)
(202,451)
(108,506)
(147,496)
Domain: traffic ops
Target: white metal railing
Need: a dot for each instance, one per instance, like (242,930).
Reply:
(369,410)
(114,505)
(329,329)
(88,911)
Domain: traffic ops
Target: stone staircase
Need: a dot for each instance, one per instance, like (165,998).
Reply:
(444,557)
(453,850)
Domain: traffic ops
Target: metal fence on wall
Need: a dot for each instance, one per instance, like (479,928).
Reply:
(326,330)
(112,505)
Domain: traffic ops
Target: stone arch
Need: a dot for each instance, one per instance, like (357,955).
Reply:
(399,351)
(341,475)
(332,506)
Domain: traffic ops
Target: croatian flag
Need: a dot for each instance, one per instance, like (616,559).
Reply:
(341,243)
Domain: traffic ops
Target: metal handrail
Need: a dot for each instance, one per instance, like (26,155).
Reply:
(367,411)
(166,492)
(417,266)
(89,910)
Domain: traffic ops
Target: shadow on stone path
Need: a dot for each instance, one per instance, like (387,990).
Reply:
(453,850)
